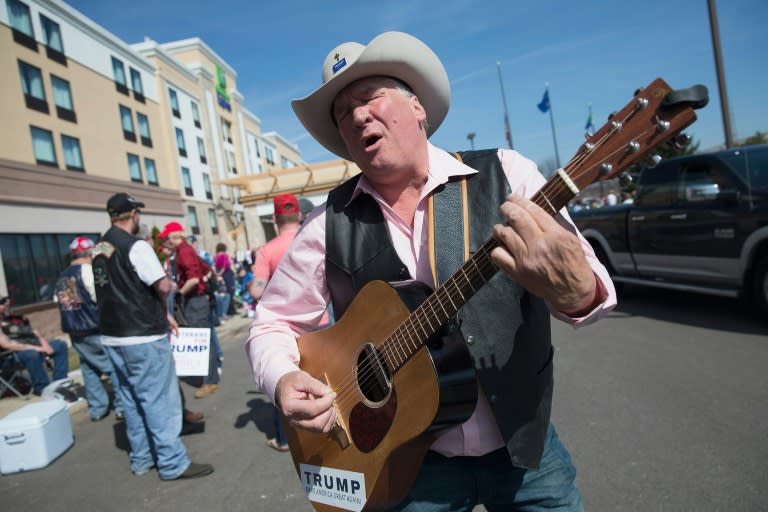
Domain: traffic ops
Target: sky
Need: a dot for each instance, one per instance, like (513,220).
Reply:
(589,53)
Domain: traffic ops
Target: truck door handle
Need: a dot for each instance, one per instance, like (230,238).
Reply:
(638,217)
(678,216)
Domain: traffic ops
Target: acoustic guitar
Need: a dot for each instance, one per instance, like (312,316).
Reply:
(396,377)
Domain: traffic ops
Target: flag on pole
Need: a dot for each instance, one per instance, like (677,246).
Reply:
(507,131)
(589,127)
(544,105)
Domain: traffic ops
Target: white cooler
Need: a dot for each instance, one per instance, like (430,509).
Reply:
(33,436)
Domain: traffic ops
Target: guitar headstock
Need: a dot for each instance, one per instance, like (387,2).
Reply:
(656,114)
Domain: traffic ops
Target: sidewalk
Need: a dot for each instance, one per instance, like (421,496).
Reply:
(235,324)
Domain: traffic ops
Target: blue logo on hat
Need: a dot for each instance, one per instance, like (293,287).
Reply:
(340,64)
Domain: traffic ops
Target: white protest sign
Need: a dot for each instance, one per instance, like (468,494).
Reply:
(190,351)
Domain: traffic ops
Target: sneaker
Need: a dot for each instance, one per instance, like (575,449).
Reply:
(99,418)
(195,470)
(143,471)
(205,390)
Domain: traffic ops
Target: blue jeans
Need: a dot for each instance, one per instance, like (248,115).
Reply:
(215,343)
(458,484)
(93,364)
(149,393)
(35,363)
(222,304)
(279,429)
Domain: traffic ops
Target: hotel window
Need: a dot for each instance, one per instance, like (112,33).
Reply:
(42,144)
(196,114)
(186,180)
(256,145)
(138,88)
(207,186)
(134,167)
(212,221)
(193,220)
(73,158)
(270,156)
(174,103)
(149,166)
(62,97)
(226,129)
(201,150)
(54,47)
(118,73)
(146,137)
(21,23)
(231,162)
(32,85)
(126,119)
(180,142)
(286,163)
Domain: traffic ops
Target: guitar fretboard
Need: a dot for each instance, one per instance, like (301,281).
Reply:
(447,299)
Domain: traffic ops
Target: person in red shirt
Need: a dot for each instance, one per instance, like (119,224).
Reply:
(288,219)
(192,273)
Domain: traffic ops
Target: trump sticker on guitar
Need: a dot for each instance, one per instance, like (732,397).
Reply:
(335,487)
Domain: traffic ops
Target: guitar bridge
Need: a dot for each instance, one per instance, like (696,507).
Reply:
(338,433)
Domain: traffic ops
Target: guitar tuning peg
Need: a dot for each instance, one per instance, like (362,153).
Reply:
(681,141)
(625,180)
(653,160)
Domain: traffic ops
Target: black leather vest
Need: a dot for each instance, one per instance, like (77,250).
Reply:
(79,315)
(507,329)
(127,306)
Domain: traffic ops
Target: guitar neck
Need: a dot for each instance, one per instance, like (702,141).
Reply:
(448,298)
(655,115)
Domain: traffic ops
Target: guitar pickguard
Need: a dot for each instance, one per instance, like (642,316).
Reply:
(369,425)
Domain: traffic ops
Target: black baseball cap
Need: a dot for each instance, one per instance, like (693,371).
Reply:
(121,203)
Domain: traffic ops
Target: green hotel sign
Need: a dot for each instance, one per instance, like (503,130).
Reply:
(221,88)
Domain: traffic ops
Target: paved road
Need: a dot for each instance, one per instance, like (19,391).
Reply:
(662,405)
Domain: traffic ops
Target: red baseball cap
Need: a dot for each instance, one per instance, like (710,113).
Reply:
(286,204)
(81,244)
(170,228)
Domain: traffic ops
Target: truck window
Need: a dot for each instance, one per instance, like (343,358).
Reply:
(658,185)
(751,166)
(703,179)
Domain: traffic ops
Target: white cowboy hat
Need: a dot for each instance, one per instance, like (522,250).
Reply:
(393,54)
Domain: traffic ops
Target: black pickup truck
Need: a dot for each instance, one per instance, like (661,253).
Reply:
(697,223)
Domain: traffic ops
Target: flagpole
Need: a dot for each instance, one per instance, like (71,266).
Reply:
(552,123)
(507,130)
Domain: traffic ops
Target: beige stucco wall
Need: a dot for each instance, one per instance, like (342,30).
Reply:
(96,105)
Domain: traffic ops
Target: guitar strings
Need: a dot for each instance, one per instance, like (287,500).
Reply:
(400,346)
(396,340)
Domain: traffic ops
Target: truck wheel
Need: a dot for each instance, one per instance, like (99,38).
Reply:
(761,287)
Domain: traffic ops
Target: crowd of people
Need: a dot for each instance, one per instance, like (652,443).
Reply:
(119,299)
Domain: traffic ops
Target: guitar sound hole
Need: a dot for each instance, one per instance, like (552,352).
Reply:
(373,376)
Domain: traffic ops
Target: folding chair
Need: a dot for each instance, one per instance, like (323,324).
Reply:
(11,372)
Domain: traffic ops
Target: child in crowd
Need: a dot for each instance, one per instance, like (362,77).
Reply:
(245,276)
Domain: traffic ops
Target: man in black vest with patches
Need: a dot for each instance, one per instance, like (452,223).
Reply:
(131,292)
(415,214)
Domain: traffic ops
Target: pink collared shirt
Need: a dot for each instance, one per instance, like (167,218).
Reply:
(297,296)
